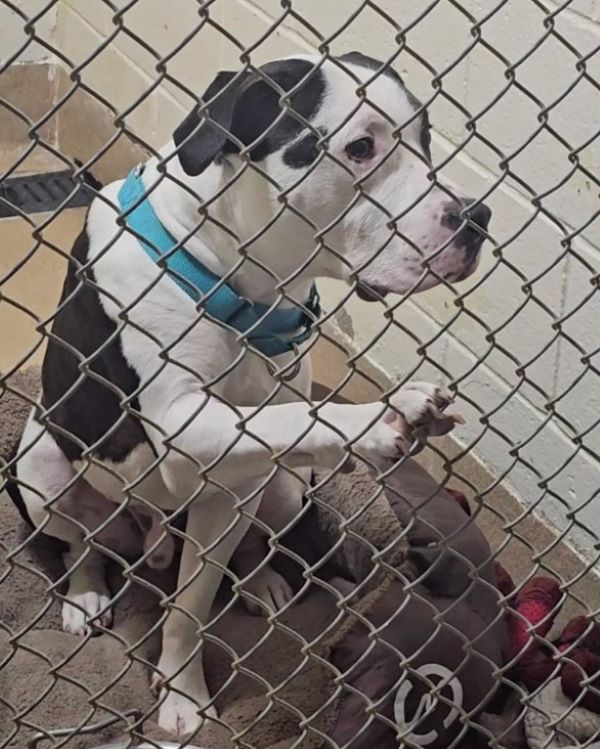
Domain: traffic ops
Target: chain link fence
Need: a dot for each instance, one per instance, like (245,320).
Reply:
(276,568)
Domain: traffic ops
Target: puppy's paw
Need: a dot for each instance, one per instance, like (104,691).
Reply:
(80,609)
(182,716)
(270,588)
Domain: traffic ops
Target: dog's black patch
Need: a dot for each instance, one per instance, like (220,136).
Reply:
(304,151)
(357,58)
(248,109)
(259,106)
(92,409)
(425,135)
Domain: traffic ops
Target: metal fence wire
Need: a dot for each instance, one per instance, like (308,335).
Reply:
(398,623)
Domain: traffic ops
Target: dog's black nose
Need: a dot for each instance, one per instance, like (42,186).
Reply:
(473,218)
(480,214)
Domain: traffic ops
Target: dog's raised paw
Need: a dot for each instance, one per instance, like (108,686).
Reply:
(421,406)
(417,409)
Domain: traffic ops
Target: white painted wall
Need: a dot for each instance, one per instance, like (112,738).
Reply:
(511,347)
(13,38)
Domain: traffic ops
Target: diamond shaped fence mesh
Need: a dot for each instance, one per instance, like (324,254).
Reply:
(207,543)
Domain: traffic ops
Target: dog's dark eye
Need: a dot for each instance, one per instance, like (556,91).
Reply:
(361,149)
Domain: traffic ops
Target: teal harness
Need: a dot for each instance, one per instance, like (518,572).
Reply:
(269,329)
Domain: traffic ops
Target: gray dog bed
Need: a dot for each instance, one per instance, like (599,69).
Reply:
(52,680)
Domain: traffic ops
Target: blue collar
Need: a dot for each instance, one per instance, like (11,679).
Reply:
(269,329)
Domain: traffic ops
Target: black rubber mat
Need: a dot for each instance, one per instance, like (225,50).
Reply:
(36,193)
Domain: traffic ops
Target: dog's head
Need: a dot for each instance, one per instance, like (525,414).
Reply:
(353,165)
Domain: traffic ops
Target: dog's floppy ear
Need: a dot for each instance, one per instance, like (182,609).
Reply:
(247,105)
(199,140)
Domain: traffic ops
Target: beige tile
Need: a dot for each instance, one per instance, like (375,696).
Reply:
(37,160)
(78,140)
(332,367)
(32,292)
(30,89)
(34,90)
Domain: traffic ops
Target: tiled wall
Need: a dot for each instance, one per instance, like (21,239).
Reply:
(13,39)
(509,333)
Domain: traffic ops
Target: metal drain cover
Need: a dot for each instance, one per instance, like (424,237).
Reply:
(36,193)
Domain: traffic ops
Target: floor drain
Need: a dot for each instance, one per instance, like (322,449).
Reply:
(36,193)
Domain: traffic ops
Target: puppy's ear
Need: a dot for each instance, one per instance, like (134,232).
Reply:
(198,139)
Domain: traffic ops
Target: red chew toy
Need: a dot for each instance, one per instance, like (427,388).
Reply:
(536,603)
(535,607)
(581,665)
(583,632)
(536,667)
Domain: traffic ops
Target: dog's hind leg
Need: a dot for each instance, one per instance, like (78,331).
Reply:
(68,508)
(264,590)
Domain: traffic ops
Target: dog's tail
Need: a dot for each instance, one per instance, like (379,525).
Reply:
(12,488)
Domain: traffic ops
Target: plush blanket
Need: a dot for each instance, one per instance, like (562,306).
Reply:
(552,721)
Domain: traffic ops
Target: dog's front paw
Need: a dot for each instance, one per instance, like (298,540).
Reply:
(182,716)
(417,409)
(80,611)
(185,702)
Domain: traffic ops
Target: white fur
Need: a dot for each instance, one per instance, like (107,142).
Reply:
(175,399)
(88,599)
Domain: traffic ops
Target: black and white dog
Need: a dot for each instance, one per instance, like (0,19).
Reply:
(138,386)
